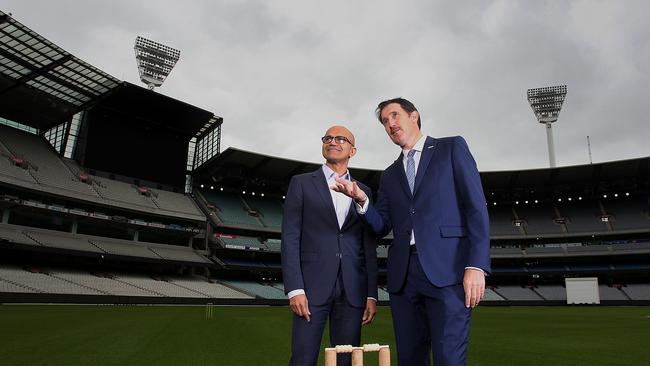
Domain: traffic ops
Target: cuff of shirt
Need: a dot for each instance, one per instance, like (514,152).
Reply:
(476,268)
(372,298)
(362,209)
(295,292)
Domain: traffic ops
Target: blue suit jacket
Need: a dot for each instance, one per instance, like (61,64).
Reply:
(447,212)
(313,246)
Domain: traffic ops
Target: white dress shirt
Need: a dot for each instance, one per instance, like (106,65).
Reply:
(341,201)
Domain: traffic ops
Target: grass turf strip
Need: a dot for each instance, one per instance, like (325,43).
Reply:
(178,335)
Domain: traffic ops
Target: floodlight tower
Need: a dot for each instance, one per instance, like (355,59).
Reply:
(546,104)
(155,61)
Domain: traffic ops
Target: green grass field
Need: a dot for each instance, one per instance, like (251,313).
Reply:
(177,335)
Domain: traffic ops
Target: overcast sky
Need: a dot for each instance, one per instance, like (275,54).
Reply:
(281,72)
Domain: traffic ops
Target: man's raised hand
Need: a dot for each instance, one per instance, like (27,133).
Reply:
(350,189)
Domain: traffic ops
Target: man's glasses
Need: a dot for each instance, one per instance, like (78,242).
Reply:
(339,140)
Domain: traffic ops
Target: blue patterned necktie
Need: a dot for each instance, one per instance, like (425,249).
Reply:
(410,169)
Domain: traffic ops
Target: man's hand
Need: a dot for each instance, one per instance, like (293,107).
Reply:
(369,312)
(299,306)
(350,189)
(474,285)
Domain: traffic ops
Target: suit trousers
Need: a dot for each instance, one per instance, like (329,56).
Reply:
(427,318)
(344,328)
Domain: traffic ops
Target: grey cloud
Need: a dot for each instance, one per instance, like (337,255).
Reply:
(280,72)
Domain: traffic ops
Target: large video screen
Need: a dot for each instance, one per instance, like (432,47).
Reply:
(121,144)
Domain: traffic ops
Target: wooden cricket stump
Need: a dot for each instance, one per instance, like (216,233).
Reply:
(357,354)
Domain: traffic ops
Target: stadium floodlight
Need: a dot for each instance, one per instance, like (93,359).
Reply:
(155,61)
(546,104)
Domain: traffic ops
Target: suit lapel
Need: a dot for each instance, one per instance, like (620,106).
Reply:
(425,158)
(352,212)
(320,183)
(401,174)
(348,219)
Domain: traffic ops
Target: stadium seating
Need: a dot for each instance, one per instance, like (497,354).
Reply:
(637,291)
(508,251)
(587,248)
(544,250)
(46,171)
(490,295)
(44,282)
(55,239)
(15,234)
(123,247)
(241,242)
(175,202)
(270,210)
(383,295)
(14,279)
(210,289)
(630,247)
(517,293)
(611,293)
(176,253)
(257,289)
(501,222)
(539,219)
(43,170)
(159,287)
(231,209)
(45,167)
(9,172)
(629,214)
(6,286)
(582,217)
(95,244)
(549,292)
(273,244)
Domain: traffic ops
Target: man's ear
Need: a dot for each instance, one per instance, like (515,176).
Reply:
(414,116)
(353,151)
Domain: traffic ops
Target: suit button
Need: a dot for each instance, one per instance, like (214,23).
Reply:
(412,212)
(340,235)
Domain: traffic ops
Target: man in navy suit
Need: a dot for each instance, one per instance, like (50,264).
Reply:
(329,256)
(432,199)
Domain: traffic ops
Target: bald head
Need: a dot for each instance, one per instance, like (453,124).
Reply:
(335,151)
(340,131)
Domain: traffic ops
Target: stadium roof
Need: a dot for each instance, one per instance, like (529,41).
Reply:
(239,168)
(42,85)
(157,111)
(589,179)
(248,170)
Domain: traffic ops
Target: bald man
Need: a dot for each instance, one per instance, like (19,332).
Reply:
(329,258)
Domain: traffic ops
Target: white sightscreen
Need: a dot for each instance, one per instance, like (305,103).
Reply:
(582,290)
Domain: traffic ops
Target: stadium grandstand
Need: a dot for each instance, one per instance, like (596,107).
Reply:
(113,193)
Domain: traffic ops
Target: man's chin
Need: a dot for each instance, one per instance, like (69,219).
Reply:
(397,141)
(336,159)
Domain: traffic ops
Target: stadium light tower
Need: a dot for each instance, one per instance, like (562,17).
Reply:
(546,104)
(155,61)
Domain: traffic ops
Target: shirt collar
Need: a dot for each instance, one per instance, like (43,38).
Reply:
(419,146)
(330,174)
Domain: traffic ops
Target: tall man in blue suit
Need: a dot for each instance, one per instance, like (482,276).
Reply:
(432,199)
(329,257)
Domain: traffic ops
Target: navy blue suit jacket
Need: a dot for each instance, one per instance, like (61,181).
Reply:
(447,212)
(314,247)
